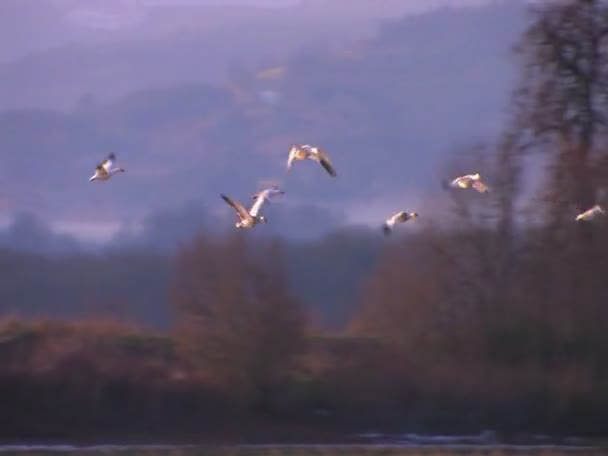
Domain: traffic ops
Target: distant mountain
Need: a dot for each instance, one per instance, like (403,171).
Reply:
(107,49)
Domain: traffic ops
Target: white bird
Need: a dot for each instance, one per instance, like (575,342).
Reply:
(590,214)
(308,152)
(250,218)
(470,180)
(106,169)
(399,217)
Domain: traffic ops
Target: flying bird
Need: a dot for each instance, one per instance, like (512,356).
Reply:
(250,218)
(470,181)
(399,217)
(106,169)
(591,214)
(308,152)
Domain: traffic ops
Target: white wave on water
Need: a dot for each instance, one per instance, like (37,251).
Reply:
(486,440)
(105,449)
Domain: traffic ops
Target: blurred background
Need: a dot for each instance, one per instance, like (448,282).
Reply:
(133,307)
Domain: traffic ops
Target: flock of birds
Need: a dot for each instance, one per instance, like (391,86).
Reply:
(248,218)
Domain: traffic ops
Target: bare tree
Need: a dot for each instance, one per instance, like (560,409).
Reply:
(561,107)
(564,93)
(235,315)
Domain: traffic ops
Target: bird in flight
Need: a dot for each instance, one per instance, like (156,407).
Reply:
(106,169)
(308,152)
(470,181)
(398,217)
(250,218)
(591,214)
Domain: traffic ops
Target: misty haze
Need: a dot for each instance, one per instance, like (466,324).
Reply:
(134,309)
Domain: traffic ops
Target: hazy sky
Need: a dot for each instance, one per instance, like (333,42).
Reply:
(31,25)
(145,49)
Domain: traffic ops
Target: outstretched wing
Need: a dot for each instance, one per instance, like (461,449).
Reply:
(238,207)
(323,158)
(461,182)
(328,167)
(257,205)
(585,215)
(261,197)
(108,162)
(292,156)
(480,186)
(274,190)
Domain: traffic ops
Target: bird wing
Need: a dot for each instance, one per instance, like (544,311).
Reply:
(462,182)
(328,167)
(591,213)
(263,196)
(323,159)
(582,216)
(267,192)
(292,156)
(274,190)
(480,186)
(238,207)
(257,205)
(386,229)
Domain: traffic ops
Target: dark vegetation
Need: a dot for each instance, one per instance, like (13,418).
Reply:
(493,316)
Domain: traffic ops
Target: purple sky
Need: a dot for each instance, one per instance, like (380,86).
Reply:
(68,21)
(42,26)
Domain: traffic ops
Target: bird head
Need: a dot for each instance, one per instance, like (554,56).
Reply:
(262,219)
(475,176)
(413,214)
